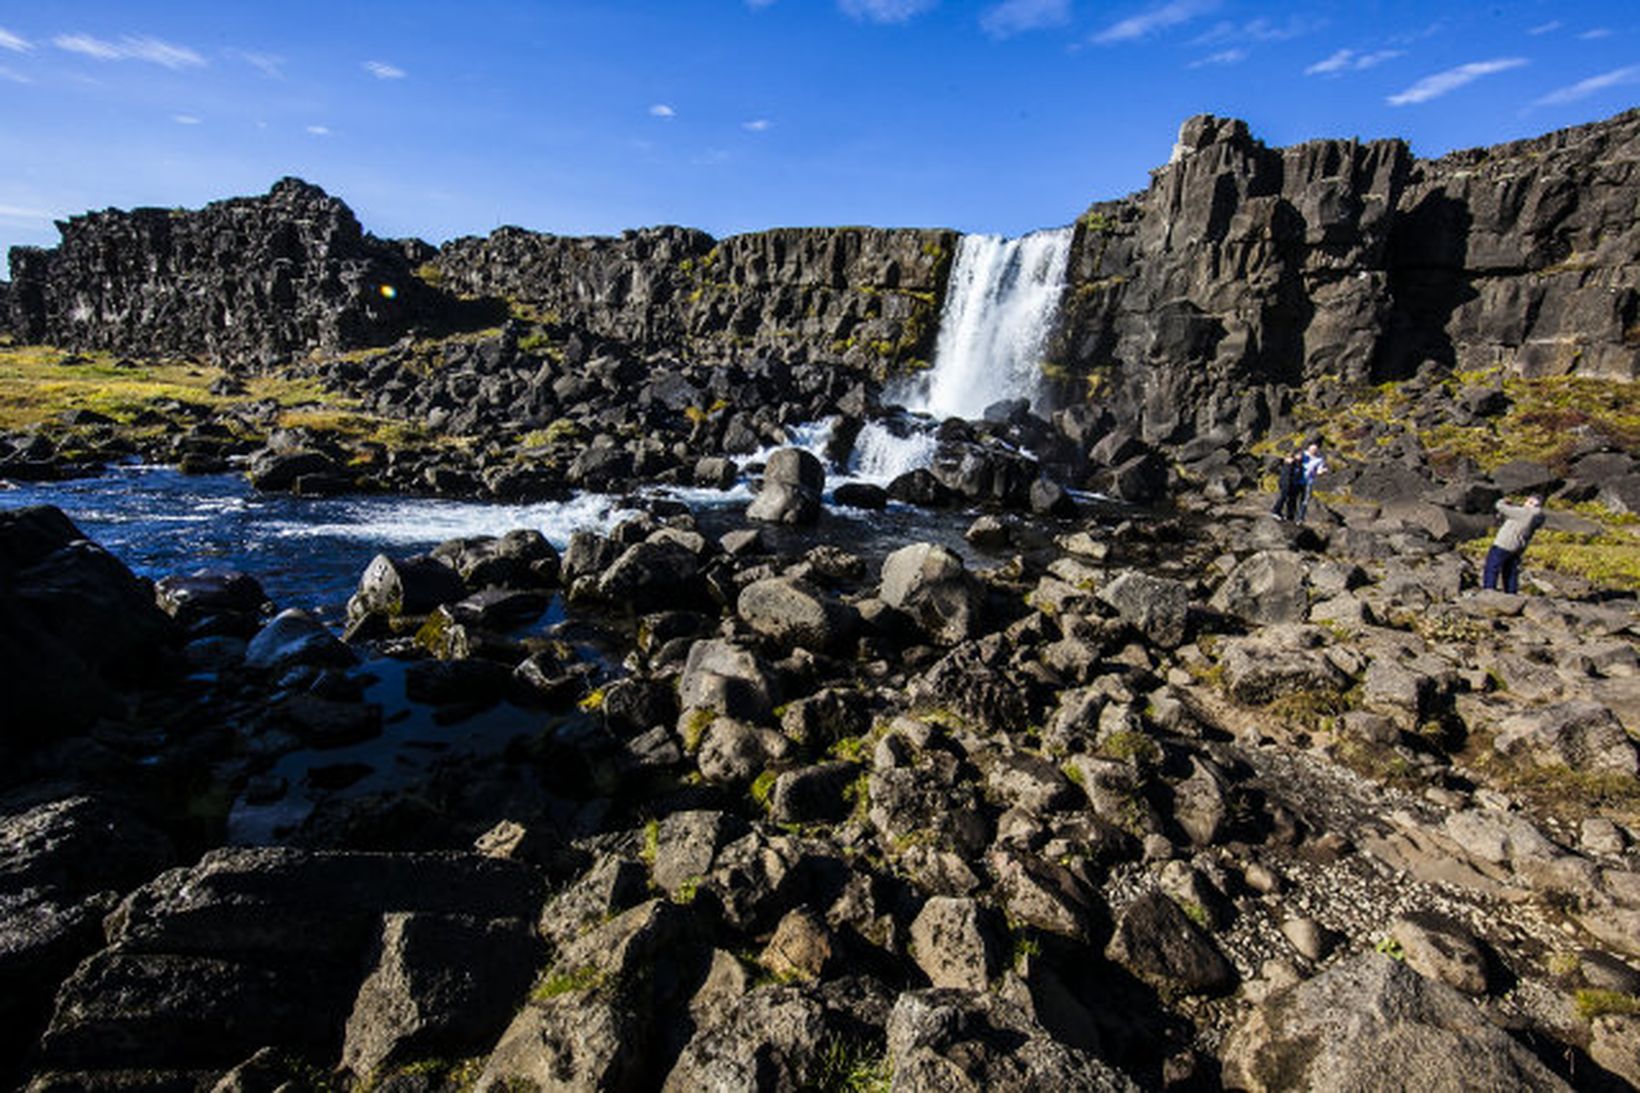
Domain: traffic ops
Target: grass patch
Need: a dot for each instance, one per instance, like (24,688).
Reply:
(762,786)
(849,1066)
(1130,746)
(1591,1003)
(560,983)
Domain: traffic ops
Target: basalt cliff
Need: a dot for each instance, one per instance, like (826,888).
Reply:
(1241,273)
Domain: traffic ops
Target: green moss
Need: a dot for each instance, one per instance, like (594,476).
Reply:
(694,728)
(762,787)
(651,841)
(1312,710)
(1130,746)
(555,984)
(1591,1003)
(851,1066)
(1391,948)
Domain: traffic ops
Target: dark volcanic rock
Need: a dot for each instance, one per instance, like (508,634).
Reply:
(75,624)
(267,278)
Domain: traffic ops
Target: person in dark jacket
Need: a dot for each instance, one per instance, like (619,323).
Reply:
(1289,484)
(1503,560)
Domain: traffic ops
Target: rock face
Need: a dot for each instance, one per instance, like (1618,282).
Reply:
(1244,270)
(1241,272)
(866,296)
(242,280)
(75,624)
(1373,1023)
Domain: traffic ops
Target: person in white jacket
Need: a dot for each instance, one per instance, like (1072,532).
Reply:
(1503,560)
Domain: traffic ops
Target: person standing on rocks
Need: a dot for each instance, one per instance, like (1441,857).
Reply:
(1289,482)
(1503,560)
(1314,465)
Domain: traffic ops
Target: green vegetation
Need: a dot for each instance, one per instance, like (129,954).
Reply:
(694,728)
(848,1066)
(651,841)
(1130,746)
(1391,948)
(1096,222)
(762,786)
(1600,1003)
(559,983)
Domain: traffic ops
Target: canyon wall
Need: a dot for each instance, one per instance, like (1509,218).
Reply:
(1193,308)
(1244,271)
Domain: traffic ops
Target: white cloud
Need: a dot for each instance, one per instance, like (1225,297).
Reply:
(18,212)
(1013,17)
(885,11)
(269,64)
(1222,57)
(1584,88)
(757,125)
(1433,87)
(661,110)
(319,130)
(14,42)
(1376,58)
(1257,30)
(1597,32)
(184,119)
(1143,25)
(384,71)
(1545,28)
(132,47)
(1347,60)
(11,75)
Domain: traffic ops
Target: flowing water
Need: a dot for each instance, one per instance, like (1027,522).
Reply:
(310,552)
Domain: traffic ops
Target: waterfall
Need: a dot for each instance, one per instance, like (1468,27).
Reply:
(999,308)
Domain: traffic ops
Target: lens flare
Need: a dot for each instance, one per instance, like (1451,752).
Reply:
(388,292)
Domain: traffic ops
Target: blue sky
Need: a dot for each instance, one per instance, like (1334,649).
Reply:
(440,120)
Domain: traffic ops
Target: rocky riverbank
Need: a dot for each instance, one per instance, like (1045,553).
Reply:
(1143,803)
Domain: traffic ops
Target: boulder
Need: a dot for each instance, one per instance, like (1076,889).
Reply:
(442,986)
(1581,735)
(1370,1022)
(1267,587)
(792,483)
(1158,943)
(1157,607)
(407,586)
(793,613)
(961,1041)
(651,576)
(955,943)
(294,638)
(930,584)
(727,679)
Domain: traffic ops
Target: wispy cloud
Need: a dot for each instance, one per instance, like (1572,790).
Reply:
(1013,17)
(384,71)
(1584,88)
(885,11)
(1597,32)
(1545,28)
(1169,15)
(14,42)
(1258,30)
(319,130)
(758,5)
(757,125)
(661,110)
(1347,60)
(11,75)
(1222,57)
(270,65)
(132,47)
(18,212)
(1433,87)
(184,119)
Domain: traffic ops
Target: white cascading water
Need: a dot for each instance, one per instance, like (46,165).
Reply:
(999,307)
